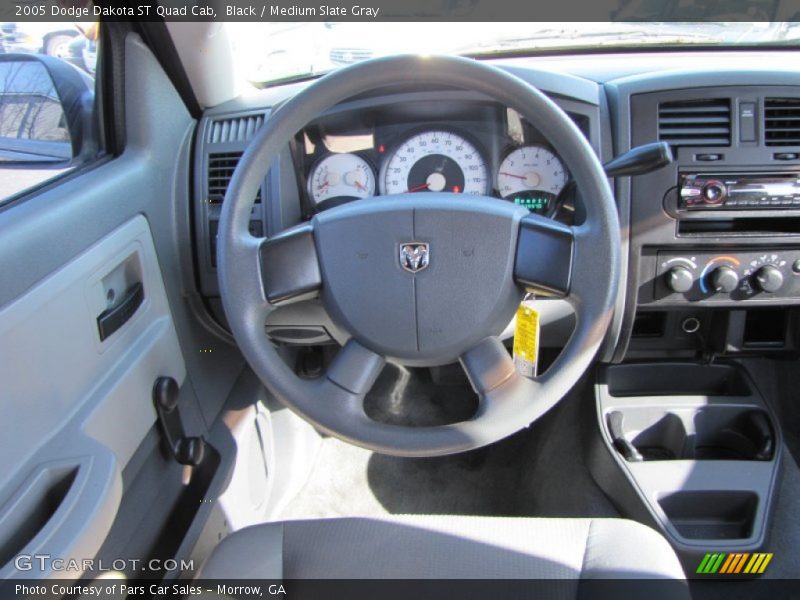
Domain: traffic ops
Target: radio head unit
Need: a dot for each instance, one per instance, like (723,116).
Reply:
(737,191)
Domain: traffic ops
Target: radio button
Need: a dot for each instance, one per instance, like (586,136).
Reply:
(714,192)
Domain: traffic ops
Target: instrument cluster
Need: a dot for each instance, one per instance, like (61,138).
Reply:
(504,158)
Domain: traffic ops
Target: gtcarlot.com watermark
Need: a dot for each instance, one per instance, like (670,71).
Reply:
(46,562)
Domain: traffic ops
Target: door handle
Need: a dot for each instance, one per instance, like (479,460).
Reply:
(111,319)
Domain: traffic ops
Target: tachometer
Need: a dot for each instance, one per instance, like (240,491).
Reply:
(346,176)
(532,176)
(435,161)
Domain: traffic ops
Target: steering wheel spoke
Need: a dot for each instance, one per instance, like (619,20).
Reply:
(289,266)
(488,366)
(355,368)
(545,252)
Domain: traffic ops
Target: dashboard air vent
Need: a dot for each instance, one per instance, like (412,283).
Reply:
(782,121)
(220,170)
(234,129)
(695,123)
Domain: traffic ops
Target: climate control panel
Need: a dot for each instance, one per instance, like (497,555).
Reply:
(730,276)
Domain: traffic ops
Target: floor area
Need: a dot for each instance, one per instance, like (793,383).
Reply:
(537,472)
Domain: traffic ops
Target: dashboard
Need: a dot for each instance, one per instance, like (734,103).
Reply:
(711,243)
(470,148)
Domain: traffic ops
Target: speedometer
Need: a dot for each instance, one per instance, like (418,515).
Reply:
(532,176)
(435,161)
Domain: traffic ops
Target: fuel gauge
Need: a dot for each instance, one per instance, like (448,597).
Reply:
(343,176)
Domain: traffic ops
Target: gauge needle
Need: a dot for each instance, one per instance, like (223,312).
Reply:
(360,186)
(420,187)
(512,175)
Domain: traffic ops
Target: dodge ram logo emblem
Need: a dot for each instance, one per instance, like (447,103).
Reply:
(414,256)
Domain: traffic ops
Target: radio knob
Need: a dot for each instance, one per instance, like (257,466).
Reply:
(769,279)
(714,192)
(724,279)
(679,279)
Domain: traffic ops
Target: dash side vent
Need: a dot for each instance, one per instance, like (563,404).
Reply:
(234,129)
(782,121)
(220,170)
(695,122)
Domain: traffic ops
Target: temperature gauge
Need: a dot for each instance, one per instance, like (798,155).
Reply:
(341,176)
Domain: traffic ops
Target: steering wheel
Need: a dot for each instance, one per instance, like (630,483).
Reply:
(422,279)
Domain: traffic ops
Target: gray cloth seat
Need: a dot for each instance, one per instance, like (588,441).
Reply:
(447,547)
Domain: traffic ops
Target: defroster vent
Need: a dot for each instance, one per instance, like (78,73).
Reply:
(234,129)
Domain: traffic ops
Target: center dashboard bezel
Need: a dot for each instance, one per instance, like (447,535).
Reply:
(648,204)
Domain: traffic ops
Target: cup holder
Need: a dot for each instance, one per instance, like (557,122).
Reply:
(706,433)
(693,444)
(665,439)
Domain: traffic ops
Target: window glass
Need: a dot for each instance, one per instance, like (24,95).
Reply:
(47,102)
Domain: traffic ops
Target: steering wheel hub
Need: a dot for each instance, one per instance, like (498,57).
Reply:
(370,253)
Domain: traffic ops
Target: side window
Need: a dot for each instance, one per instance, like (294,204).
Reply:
(47,103)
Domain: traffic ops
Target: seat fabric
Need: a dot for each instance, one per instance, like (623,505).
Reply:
(449,547)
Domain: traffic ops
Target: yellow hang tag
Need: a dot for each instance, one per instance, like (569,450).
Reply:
(526,339)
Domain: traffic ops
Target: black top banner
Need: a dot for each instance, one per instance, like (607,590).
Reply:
(403,10)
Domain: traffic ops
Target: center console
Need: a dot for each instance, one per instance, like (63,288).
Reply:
(691,449)
(682,438)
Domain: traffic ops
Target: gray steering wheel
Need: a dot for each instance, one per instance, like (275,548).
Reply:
(423,279)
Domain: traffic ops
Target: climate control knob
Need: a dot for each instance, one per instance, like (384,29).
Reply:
(769,279)
(724,279)
(679,279)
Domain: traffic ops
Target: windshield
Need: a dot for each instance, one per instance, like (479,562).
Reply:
(270,52)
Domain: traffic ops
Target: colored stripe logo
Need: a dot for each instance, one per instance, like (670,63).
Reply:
(735,563)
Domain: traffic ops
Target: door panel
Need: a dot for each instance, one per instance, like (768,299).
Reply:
(62,383)
(76,407)
(56,366)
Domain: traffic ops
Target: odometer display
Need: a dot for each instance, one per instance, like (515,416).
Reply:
(435,161)
(533,200)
